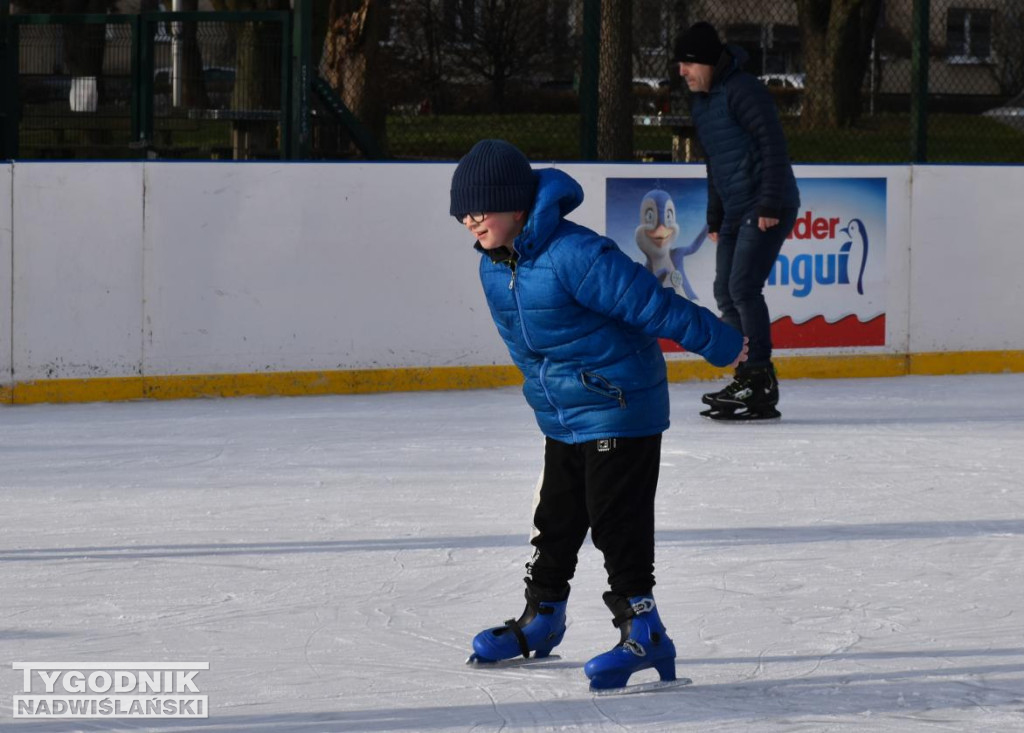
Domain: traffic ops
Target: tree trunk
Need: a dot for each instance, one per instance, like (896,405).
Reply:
(84,44)
(193,88)
(836,37)
(257,50)
(257,77)
(350,63)
(615,106)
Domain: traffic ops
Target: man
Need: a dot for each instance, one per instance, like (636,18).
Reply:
(752,205)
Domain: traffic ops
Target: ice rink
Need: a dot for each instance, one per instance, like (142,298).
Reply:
(858,565)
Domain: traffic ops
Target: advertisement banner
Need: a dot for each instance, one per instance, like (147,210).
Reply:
(827,288)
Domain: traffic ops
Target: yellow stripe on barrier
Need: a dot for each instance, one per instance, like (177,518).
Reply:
(100,389)
(967,362)
(355,381)
(363,381)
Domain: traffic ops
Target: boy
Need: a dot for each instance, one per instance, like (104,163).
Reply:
(752,204)
(581,321)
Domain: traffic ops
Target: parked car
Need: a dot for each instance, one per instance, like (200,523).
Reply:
(783,81)
(1011,113)
(788,90)
(43,88)
(219,82)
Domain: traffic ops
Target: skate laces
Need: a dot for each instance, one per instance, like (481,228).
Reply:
(737,387)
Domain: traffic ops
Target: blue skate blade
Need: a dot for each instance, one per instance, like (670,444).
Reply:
(475,661)
(643,687)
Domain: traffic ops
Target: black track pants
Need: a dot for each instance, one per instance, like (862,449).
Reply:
(608,487)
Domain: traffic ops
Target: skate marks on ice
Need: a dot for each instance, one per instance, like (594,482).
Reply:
(334,557)
(260,549)
(696,537)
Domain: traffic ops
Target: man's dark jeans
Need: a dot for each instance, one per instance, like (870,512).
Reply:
(744,259)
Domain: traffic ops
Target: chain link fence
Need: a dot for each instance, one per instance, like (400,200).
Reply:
(73,88)
(562,79)
(844,84)
(156,85)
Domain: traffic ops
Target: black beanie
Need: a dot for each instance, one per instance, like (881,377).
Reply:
(494,176)
(699,45)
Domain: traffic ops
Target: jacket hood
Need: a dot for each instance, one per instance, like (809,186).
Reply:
(733,59)
(557,195)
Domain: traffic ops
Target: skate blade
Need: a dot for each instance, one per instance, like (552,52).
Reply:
(734,416)
(475,661)
(644,687)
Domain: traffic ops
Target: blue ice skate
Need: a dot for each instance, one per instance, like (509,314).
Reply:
(644,644)
(539,630)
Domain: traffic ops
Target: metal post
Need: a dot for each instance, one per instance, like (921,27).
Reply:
(177,55)
(136,25)
(588,78)
(302,78)
(8,92)
(142,79)
(919,82)
(287,79)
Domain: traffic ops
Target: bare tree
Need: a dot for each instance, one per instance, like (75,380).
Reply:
(836,37)
(498,40)
(420,46)
(615,109)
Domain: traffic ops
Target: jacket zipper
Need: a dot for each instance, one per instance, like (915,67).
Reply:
(544,363)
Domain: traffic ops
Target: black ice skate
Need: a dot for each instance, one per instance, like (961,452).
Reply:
(711,398)
(752,395)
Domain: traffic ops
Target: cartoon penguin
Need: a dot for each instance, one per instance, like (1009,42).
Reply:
(858,241)
(657,231)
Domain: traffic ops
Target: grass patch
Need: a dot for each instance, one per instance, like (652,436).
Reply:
(886,139)
(879,139)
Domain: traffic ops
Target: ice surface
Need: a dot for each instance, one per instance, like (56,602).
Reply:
(857,565)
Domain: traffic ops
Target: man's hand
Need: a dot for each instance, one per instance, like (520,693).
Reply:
(713,236)
(765,223)
(742,355)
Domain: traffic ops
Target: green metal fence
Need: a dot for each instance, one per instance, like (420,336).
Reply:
(156,85)
(890,81)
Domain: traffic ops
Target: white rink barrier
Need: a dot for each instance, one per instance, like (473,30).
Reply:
(165,279)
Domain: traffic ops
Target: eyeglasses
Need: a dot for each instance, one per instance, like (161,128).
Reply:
(477,217)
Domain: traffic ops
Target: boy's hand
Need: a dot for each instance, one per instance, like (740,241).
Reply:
(742,355)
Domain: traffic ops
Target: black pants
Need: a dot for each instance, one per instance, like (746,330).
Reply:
(744,257)
(608,487)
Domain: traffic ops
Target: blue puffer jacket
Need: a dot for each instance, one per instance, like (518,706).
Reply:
(581,321)
(749,172)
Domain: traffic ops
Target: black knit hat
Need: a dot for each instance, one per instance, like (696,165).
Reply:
(494,176)
(699,45)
